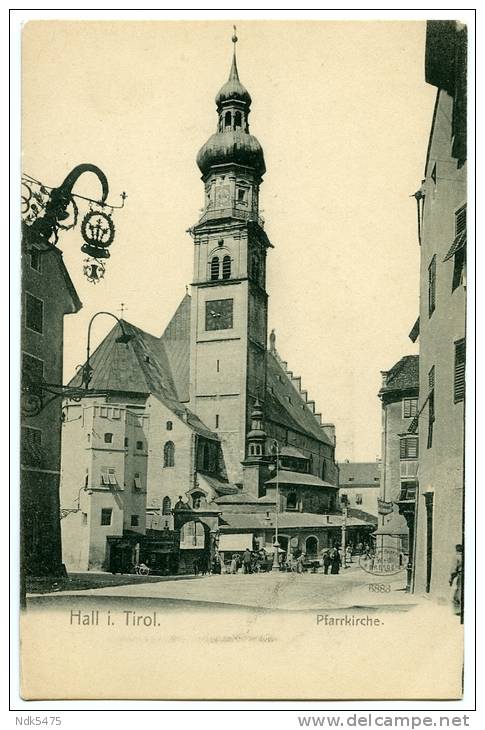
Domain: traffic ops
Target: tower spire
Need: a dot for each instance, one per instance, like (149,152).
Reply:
(233,74)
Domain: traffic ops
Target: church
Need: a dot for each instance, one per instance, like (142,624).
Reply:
(202,441)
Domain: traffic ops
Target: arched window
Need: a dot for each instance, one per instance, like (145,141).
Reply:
(237,120)
(215,268)
(227,120)
(169,454)
(226,267)
(166,506)
(311,546)
(169,425)
(291,501)
(206,457)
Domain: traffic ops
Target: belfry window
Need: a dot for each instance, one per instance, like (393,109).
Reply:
(215,268)
(227,120)
(237,120)
(226,267)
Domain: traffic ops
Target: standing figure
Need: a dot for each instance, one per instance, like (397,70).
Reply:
(335,561)
(327,561)
(247,561)
(457,575)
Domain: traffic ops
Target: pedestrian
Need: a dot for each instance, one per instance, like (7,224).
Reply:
(326,562)
(456,574)
(348,553)
(299,563)
(195,566)
(246,560)
(335,561)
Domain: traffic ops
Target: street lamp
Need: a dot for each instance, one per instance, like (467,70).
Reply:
(344,500)
(275,449)
(124,338)
(34,391)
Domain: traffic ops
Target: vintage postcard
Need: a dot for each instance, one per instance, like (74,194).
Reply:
(243,359)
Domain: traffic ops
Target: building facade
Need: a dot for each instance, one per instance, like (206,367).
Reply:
(442,210)
(400,455)
(47,296)
(359,484)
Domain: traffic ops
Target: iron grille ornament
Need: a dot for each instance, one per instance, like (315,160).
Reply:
(45,211)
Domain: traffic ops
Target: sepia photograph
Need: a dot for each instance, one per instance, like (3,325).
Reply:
(243,359)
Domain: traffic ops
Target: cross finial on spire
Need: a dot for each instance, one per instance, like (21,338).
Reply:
(233,75)
(122,309)
(234,37)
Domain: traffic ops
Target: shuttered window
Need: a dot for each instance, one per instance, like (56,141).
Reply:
(409,447)
(459,382)
(409,407)
(460,221)
(431,412)
(108,476)
(432,286)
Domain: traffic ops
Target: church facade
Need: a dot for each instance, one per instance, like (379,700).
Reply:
(205,433)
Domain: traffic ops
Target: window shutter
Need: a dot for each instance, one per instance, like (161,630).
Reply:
(459,384)
(460,221)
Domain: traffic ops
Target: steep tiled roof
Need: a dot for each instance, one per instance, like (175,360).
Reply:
(176,340)
(286,406)
(140,366)
(238,498)
(404,375)
(353,474)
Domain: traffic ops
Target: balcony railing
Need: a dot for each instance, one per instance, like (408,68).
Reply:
(231,212)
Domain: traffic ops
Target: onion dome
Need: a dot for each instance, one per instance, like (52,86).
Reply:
(240,148)
(232,142)
(233,89)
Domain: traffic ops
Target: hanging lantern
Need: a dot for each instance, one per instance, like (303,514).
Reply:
(98,231)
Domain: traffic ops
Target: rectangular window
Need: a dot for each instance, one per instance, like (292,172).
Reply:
(106,516)
(458,268)
(103,412)
(431,411)
(126,442)
(108,476)
(432,286)
(116,413)
(139,445)
(409,447)
(135,520)
(217,420)
(459,380)
(137,481)
(35,259)
(34,313)
(108,438)
(32,371)
(409,407)
(31,446)
(358,499)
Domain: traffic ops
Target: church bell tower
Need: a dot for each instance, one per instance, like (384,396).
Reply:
(229,299)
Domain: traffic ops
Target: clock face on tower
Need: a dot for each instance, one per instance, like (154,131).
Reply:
(218,314)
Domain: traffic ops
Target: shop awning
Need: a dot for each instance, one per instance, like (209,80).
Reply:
(238,541)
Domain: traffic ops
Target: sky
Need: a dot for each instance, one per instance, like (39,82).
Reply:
(343,113)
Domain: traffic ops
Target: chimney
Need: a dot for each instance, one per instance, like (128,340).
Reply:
(384,374)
